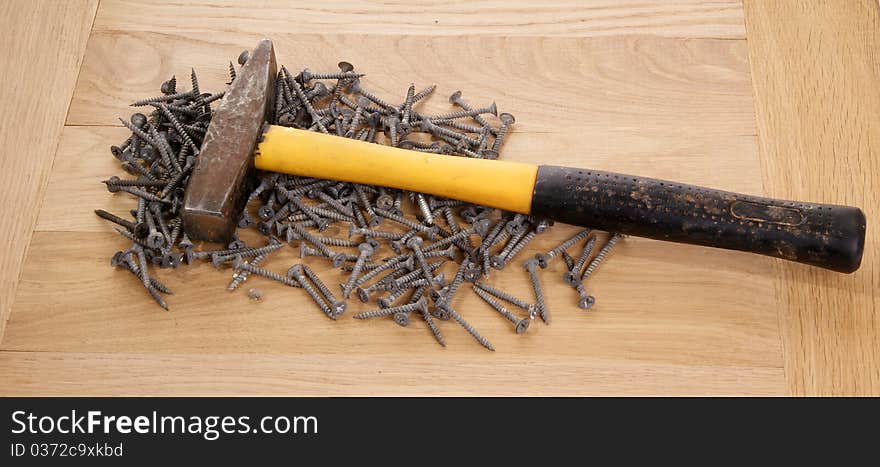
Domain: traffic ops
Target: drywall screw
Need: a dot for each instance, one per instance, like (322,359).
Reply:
(600,256)
(435,330)
(520,245)
(177,126)
(520,324)
(365,202)
(544,258)
(335,204)
(585,300)
(467,326)
(154,238)
(490,109)
(406,113)
(143,264)
(479,228)
(241,276)
(274,245)
(308,211)
(449,294)
(305,102)
(156,210)
(143,194)
(336,258)
(430,127)
(163,98)
(406,280)
(307,75)
(240,265)
(456,99)
(420,305)
(506,120)
(365,250)
(115,181)
(169,87)
(332,241)
(242,57)
(499,261)
(401,318)
(305,251)
(330,214)
(427,216)
(337,305)
(368,233)
(531,266)
(530,308)
(358,89)
(463,127)
(569,261)
(138,229)
(356,117)
(296,272)
(415,244)
(430,231)
(124,258)
(572,275)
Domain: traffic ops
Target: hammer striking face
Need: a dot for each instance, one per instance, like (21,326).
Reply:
(215,195)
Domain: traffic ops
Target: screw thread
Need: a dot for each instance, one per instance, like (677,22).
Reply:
(115,219)
(539,295)
(427,215)
(605,251)
(503,296)
(470,329)
(242,275)
(582,259)
(520,245)
(304,283)
(432,325)
(268,274)
(496,305)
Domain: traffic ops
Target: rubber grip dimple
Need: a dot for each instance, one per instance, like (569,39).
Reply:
(823,235)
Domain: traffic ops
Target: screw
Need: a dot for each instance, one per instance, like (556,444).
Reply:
(574,273)
(254,294)
(338,306)
(498,261)
(467,326)
(531,309)
(531,266)
(600,256)
(414,244)
(520,325)
(241,276)
(296,272)
(365,250)
(240,265)
(544,258)
(447,296)
(585,300)
(420,305)
(430,231)
(456,99)
(408,103)
(490,109)
(506,121)
(218,259)
(337,258)
(169,87)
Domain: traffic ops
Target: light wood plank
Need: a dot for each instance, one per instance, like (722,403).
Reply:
(93,374)
(651,86)
(680,18)
(817,84)
(692,306)
(44,43)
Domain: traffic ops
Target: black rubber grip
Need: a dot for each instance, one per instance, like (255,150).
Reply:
(823,235)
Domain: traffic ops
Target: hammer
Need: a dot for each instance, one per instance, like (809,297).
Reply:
(238,140)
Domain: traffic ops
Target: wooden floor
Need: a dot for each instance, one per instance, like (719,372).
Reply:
(777,98)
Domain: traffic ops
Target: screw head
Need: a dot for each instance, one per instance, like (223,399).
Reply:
(362,294)
(188,256)
(401,318)
(323,224)
(366,248)
(449,253)
(235,245)
(432,233)
(373,243)
(543,260)
(440,312)
(409,263)
(414,242)
(338,307)
(265,212)
(481,227)
(439,279)
(455,97)
(117,258)
(138,120)
(530,264)
(586,302)
(375,221)
(345,67)
(338,260)
(437,295)
(522,325)
(295,271)
(320,89)
(155,240)
(497,262)
(507,118)
(243,57)
(570,278)
(473,273)
(238,262)
(493,109)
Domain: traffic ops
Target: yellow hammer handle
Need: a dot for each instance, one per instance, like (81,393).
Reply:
(499,184)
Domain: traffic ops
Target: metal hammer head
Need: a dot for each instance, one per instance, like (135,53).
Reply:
(215,196)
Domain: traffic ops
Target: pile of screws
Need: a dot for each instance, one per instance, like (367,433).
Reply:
(164,146)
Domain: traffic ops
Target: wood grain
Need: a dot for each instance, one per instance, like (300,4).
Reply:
(45,42)
(94,374)
(655,88)
(816,73)
(217,18)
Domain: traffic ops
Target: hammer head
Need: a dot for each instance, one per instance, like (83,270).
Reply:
(215,196)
